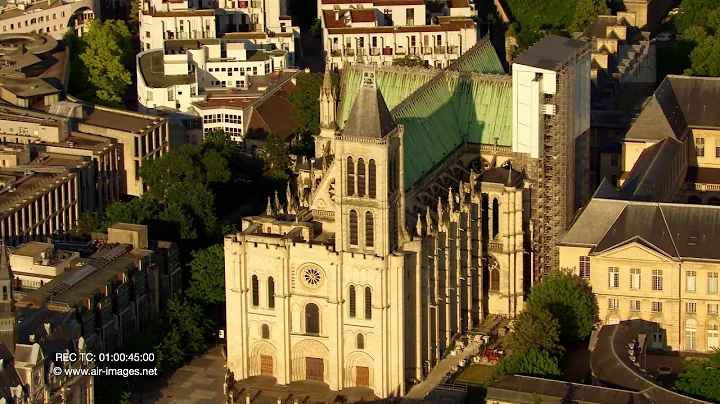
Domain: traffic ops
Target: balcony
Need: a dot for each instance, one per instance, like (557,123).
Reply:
(336,52)
(387,51)
(255,4)
(401,51)
(427,50)
(454,50)
(374,51)
(243,4)
(413,50)
(495,247)
(349,52)
(439,50)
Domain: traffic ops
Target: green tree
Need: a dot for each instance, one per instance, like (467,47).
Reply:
(535,330)
(700,378)
(192,206)
(106,55)
(411,61)
(134,20)
(699,13)
(529,363)
(126,398)
(207,275)
(181,165)
(275,156)
(706,57)
(570,300)
(187,328)
(316,28)
(303,99)
(137,211)
(586,12)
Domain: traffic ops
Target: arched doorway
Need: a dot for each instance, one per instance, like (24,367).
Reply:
(694,200)
(310,360)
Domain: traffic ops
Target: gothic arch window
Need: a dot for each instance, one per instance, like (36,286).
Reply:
(369,230)
(271,292)
(495,217)
(361,178)
(312,319)
(368,303)
(352,297)
(353,227)
(371,179)
(350,176)
(255,291)
(494,268)
(265,331)
(360,341)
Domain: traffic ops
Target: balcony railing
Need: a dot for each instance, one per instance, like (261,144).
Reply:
(453,50)
(349,52)
(336,52)
(439,50)
(414,50)
(427,50)
(387,51)
(255,4)
(374,51)
(400,51)
(496,247)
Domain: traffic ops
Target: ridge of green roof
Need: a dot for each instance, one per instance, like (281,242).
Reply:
(481,58)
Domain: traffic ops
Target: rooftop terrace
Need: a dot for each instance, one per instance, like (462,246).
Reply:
(152,69)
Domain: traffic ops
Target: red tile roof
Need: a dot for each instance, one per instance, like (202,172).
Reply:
(285,17)
(378,2)
(244,35)
(365,15)
(275,115)
(185,13)
(226,102)
(458,3)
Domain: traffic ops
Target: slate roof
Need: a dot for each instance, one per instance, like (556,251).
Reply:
(680,231)
(703,175)
(520,389)
(441,111)
(274,115)
(501,175)
(697,98)
(650,170)
(660,118)
(9,377)
(550,52)
(369,116)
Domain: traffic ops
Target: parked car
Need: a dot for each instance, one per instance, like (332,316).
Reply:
(664,36)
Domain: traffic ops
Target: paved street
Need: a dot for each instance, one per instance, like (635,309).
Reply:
(437,374)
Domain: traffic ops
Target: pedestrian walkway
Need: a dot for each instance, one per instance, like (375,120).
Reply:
(437,374)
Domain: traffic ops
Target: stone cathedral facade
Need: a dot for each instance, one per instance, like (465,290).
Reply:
(412,224)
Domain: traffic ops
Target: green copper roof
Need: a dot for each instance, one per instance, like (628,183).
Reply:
(442,110)
(481,58)
(395,84)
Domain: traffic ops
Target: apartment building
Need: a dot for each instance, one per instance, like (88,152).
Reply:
(36,263)
(262,22)
(49,17)
(125,263)
(188,71)
(644,256)
(380,31)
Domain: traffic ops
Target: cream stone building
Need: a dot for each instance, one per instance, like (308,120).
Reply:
(412,224)
(644,256)
(50,17)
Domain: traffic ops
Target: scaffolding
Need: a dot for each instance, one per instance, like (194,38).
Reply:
(562,167)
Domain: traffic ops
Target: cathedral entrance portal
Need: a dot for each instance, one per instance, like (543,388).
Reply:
(266,365)
(362,376)
(314,369)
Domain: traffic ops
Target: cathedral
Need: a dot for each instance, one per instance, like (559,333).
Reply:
(418,217)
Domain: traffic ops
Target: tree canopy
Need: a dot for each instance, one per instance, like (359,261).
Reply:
(570,300)
(700,378)
(106,53)
(411,61)
(186,328)
(536,329)
(304,102)
(532,362)
(697,50)
(275,157)
(207,275)
(586,12)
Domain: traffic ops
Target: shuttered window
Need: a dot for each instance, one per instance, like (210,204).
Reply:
(369,230)
(353,308)
(361,177)
(350,176)
(368,303)
(353,228)
(371,179)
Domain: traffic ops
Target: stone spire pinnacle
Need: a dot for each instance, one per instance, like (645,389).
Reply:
(428,221)
(510,170)
(328,107)
(288,195)
(418,225)
(5,271)
(327,79)
(277,203)
(451,201)
(269,208)
(440,210)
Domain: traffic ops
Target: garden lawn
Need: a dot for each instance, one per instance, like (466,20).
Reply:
(475,378)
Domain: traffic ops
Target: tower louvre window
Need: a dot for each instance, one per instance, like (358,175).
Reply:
(350,176)
(495,217)
(353,228)
(368,303)
(369,230)
(353,308)
(361,177)
(371,179)
(271,293)
(255,291)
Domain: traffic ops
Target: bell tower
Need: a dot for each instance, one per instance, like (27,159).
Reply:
(368,150)
(8,321)
(328,116)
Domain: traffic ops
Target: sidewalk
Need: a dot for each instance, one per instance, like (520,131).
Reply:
(437,374)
